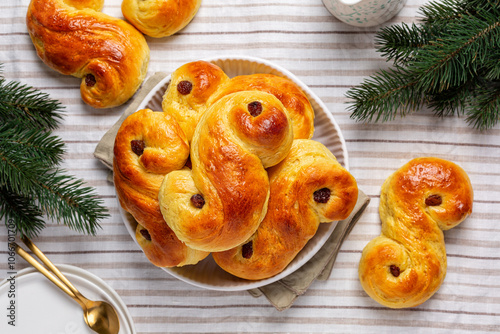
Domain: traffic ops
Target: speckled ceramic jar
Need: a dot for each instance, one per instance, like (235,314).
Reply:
(364,13)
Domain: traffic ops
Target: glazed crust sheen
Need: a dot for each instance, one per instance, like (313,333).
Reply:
(149,145)
(293,98)
(293,216)
(229,152)
(406,264)
(74,38)
(160,18)
(188,108)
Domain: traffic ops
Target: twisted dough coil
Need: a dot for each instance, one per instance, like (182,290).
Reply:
(190,87)
(149,145)
(197,85)
(74,38)
(293,98)
(237,138)
(160,18)
(307,188)
(406,264)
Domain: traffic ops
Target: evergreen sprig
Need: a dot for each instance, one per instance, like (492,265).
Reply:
(32,186)
(449,61)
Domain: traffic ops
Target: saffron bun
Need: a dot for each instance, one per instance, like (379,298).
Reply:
(74,38)
(149,145)
(160,18)
(189,89)
(406,264)
(237,138)
(290,94)
(307,188)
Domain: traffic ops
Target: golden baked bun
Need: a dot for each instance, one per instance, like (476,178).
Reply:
(74,38)
(190,87)
(221,202)
(307,188)
(293,98)
(149,145)
(406,264)
(160,18)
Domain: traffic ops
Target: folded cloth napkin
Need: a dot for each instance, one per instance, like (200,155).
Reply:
(284,292)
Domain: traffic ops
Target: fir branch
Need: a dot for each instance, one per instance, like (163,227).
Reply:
(65,197)
(383,95)
(35,108)
(484,112)
(450,61)
(31,184)
(21,209)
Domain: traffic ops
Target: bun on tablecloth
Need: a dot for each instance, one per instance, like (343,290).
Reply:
(74,38)
(406,264)
(149,145)
(307,188)
(237,138)
(160,18)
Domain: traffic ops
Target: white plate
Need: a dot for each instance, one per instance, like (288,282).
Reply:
(207,274)
(41,307)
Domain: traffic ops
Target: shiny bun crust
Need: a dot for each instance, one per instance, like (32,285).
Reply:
(406,264)
(190,87)
(149,145)
(293,98)
(221,202)
(307,188)
(74,38)
(160,18)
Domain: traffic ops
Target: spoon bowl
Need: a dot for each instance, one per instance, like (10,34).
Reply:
(101,317)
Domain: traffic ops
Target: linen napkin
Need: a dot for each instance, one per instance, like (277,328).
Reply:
(284,292)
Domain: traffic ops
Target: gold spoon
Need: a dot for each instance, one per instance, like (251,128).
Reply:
(100,316)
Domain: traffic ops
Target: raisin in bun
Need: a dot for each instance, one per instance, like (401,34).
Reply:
(307,188)
(406,264)
(74,38)
(190,87)
(149,145)
(220,203)
(160,18)
(293,98)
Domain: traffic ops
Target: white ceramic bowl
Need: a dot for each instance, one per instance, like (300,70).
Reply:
(207,274)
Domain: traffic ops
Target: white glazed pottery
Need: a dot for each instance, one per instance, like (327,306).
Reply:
(27,290)
(207,274)
(364,13)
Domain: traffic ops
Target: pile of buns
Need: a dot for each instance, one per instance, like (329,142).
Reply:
(110,55)
(228,168)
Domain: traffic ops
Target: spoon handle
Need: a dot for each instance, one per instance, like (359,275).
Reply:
(31,260)
(52,267)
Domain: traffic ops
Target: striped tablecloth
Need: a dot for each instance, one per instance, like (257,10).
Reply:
(328,56)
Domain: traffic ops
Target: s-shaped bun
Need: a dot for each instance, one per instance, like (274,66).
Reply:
(75,38)
(406,264)
(307,188)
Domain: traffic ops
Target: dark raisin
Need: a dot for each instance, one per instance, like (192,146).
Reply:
(247,250)
(184,87)
(198,201)
(146,234)
(322,195)
(433,200)
(255,108)
(395,271)
(90,80)
(138,146)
